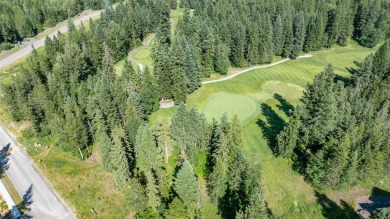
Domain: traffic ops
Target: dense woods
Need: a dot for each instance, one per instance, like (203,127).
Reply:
(338,134)
(242,33)
(23,19)
(188,167)
(214,35)
(75,100)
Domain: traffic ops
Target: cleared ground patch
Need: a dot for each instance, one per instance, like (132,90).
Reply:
(232,104)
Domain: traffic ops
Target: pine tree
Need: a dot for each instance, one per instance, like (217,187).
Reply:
(288,30)
(207,50)
(176,210)
(130,75)
(192,69)
(149,92)
(218,181)
(108,64)
(187,188)
(287,139)
(119,156)
(178,130)
(164,139)
(237,46)
(299,35)
(221,59)
(278,35)
(148,155)
(256,208)
(152,191)
(266,49)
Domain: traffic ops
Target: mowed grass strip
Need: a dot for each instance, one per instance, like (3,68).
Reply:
(287,193)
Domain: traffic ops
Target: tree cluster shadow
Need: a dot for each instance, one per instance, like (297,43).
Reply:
(273,123)
(378,199)
(332,210)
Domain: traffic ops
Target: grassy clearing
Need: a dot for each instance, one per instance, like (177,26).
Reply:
(144,56)
(11,189)
(83,184)
(175,15)
(287,193)
(233,104)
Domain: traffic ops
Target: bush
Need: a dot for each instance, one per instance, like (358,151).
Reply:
(6,46)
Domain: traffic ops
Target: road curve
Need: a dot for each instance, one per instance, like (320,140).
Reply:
(41,42)
(28,182)
(253,68)
(132,52)
(145,44)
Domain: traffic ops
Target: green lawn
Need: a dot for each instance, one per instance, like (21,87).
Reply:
(144,56)
(233,104)
(287,193)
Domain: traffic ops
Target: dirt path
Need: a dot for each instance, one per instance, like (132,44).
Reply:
(253,68)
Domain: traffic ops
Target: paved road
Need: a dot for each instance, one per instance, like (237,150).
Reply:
(38,196)
(38,43)
(145,44)
(132,52)
(253,68)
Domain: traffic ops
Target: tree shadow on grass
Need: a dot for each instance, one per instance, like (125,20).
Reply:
(345,80)
(271,126)
(353,71)
(284,105)
(379,192)
(333,211)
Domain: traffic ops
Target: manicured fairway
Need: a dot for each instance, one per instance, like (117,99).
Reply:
(233,104)
(274,90)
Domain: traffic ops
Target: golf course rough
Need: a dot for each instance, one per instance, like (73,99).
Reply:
(233,104)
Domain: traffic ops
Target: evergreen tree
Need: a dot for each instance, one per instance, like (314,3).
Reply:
(149,93)
(187,188)
(278,35)
(148,155)
(130,75)
(207,50)
(256,207)
(152,191)
(221,59)
(299,34)
(164,139)
(119,156)
(192,70)
(176,210)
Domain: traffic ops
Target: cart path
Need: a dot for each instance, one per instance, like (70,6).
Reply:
(253,68)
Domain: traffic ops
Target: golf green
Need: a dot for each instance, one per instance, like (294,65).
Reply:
(233,104)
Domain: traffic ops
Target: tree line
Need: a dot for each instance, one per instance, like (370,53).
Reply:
(241,33)
(76,101)
(188,169)
(23,19)
(70,86)
(338,135)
